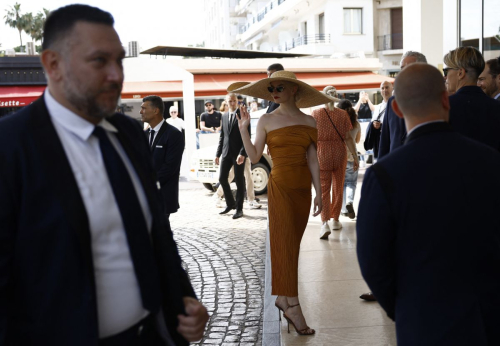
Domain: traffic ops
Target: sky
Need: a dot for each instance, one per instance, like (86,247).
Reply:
(151,22)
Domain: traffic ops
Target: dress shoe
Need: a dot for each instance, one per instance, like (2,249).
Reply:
(368,297)
(344,214)
(325,231)
(227,210)
(238,214)
(350,211)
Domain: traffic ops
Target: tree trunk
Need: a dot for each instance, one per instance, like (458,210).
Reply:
(20,39)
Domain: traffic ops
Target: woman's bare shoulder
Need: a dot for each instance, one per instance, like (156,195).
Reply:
(310,120)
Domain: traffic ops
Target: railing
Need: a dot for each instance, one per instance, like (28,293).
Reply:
(261,14)
(303,41)
(392,41)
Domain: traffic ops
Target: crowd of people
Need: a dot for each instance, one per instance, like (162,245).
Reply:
(87,254)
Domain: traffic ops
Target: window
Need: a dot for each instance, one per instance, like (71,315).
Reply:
(321,23)
(353,21)
(480,26)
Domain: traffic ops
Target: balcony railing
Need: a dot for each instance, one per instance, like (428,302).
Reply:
(303,41)
(392,41)
(261,14)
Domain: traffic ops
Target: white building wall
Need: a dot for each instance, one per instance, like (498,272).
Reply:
(422,24)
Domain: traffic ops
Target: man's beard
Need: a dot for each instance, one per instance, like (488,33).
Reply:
(88,104)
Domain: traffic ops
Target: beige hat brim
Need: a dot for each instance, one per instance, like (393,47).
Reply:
(307,95)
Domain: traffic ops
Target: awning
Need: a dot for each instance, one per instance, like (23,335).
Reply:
(216,84)
(19,96)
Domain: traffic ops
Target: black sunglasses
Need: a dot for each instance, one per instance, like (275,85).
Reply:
(446,69)
(278,89)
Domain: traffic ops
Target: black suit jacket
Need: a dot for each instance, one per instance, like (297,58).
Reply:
(167,150)
(47,288)
(476,115)
(393,131)
(432,266)
(230,142)
(272,106)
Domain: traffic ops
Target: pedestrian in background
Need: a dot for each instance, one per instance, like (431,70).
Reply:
(333,138)
(351,171)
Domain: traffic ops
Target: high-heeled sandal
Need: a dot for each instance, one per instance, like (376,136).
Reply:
(305,331)
(279,307)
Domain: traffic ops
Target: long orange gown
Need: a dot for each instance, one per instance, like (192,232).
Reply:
(289,194)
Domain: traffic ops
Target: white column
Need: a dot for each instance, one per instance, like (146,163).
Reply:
(423,28)
(189,117)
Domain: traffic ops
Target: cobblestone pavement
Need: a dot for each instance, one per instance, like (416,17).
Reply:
(225,261)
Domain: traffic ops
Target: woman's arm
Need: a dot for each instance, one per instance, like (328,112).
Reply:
(370,104)
(349,141)
(312,162)
(358,135)
(254,151)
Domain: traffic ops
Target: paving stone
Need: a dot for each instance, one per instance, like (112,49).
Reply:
(225,260)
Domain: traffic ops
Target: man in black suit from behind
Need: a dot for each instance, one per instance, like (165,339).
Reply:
(270,70)
(167,145)
(394,131)
(433,269)
(473,113)
(231,152)
(87,257)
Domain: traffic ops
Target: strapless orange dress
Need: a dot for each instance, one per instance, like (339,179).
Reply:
(289,196)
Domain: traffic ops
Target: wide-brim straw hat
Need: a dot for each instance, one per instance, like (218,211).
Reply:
(306,95)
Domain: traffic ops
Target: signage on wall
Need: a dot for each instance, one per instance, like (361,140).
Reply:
(12,103)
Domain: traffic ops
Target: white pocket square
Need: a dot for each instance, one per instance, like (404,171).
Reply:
(159,146)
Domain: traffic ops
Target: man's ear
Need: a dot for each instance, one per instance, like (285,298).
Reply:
(396,109)
(445,101)
(51,61)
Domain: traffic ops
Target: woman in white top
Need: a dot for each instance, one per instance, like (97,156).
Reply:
(351,171)
(174,119)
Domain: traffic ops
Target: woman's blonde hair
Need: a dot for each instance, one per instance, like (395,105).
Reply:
(330,91)
(468,58)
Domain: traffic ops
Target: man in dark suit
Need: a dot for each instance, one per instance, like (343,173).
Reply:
(87,257)
(231,152)
(473,113)
(436,279)
(394,131)
(270,70)
(167,145)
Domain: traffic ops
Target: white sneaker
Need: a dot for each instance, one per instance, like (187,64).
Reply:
(325,231)
(336,225)
(218,202)
(254,205)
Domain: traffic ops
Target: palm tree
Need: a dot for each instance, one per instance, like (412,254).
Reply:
(16,20)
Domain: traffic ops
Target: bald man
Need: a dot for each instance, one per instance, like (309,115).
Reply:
(422,259)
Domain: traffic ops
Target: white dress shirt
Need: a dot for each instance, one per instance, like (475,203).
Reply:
(119,303)
(497,96)
(177,122)
(156,129)
(379,108)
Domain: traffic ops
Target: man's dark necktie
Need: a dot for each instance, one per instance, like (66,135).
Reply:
(151,138)
(134,222)
(232,116)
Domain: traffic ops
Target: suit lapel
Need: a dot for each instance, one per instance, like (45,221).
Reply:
(135,157)
(62,180)
(162,130)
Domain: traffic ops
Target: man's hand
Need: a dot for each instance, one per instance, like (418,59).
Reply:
(217,161)
(191,327)
(240,159)
(376,124)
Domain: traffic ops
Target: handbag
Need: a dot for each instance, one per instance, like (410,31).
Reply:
(372,137)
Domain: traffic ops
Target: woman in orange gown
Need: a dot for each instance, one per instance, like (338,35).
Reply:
(291,137)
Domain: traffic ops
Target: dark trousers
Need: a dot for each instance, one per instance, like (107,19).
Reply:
(239,177)
(142,334)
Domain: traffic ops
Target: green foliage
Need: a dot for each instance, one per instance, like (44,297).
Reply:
(31,25)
